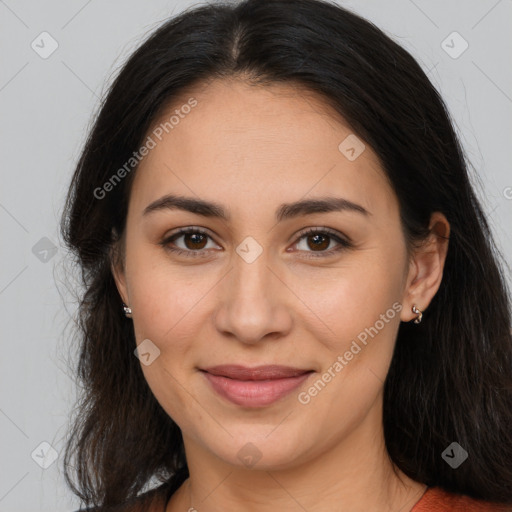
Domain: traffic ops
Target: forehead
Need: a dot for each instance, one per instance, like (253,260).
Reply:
(245,141)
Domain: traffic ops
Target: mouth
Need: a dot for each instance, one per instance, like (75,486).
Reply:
(254,387)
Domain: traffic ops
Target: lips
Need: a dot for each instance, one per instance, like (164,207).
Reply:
(254,387)
(268,372)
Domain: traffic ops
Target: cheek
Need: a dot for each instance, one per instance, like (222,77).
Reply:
(164,296)
(348,299)
(359,315)
(166,311)
(166,307)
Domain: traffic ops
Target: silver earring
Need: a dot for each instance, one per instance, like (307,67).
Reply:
(418,312)
(127,310)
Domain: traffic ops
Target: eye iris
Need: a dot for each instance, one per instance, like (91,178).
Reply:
(317,244)
(196,239)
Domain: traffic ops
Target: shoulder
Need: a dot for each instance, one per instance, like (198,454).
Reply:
(436,499)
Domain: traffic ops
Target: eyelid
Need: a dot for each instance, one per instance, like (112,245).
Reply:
(323,229)
(189,229)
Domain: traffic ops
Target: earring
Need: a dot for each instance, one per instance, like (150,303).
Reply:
(418,312)
(127,310)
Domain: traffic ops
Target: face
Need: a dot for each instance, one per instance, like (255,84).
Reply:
(253,287)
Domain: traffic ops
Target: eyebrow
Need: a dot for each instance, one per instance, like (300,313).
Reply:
(284,211)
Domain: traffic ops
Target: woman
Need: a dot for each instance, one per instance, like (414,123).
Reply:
(293,300)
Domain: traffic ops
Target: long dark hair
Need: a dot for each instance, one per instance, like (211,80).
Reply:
(450,379)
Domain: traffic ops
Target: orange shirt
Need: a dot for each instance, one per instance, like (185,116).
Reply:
(438,500)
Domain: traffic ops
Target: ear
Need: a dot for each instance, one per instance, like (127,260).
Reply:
(117,266)
(426,268)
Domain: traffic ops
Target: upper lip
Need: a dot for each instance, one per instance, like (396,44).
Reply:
(264,372)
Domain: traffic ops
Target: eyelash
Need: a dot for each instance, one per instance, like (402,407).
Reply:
(343,243)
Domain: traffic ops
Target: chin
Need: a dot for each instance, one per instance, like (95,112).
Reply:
(263,451)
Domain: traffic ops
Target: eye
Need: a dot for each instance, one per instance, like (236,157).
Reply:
(195,240)
(320,239)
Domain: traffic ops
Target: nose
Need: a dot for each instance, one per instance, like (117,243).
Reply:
(253,302)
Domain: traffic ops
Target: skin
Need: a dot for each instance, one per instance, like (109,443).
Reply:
(252,148)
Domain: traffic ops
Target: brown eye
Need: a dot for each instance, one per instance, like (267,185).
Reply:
(193,243)
(318,240)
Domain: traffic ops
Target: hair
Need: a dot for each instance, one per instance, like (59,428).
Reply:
(450,378)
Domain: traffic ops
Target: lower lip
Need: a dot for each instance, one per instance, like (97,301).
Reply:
(254,393)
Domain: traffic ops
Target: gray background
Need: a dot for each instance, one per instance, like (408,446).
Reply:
(47,106)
